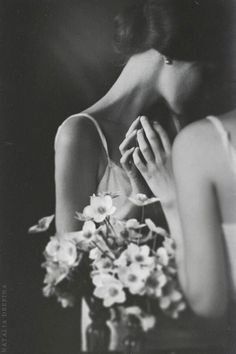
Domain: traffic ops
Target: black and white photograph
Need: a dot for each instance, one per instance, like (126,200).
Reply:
(118,176)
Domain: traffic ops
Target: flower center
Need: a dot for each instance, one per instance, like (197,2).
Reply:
(101,210)
(107,264)
(132,278)
(113,292)
(152,283)
(88,234)
(139,258)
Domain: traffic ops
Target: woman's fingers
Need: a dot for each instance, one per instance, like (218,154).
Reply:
(152,139)
(133,126)
(125,160)
(144,147)
(127,142)
(163,137)
(138,161)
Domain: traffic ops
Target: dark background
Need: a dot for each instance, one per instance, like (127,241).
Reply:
(56,59)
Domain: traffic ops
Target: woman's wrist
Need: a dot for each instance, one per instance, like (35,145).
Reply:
(139,189)
(171,212)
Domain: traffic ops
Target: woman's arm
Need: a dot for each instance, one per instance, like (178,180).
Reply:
(200,250)
(77,155)
(201,259)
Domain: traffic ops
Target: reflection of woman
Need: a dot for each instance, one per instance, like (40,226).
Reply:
(164,42)
(204,164)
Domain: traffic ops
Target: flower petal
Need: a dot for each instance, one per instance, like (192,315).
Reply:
(42,225)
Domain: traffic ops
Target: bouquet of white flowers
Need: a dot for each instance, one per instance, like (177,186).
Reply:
(126,258)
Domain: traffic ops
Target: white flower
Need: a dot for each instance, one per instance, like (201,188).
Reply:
(138,237)
(84,237)
(48,290)
(133,310)
(95,253)
(133,224)
(103,263)
(42,225)
(155,283)
(109,289)
(133,277)
(135,254)
(179,307)
(172,302)
(156,229)
(169,245)
(162,256)
(122,261)
(100,207)
(176,295)
(55,273)
(147,322)
(139,254)
(61,250)
(81,217)
(65,301)
(164,302)
(53,247)
(142,200)
(173,295)
(133,231)
(100,279)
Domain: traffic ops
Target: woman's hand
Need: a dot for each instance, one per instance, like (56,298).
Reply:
(127,149)
(152,159)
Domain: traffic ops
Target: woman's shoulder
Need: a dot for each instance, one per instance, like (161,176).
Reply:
(201,133)
(77,129)
(194,137)
(196,148)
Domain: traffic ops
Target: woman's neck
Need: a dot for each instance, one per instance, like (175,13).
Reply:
(134,91)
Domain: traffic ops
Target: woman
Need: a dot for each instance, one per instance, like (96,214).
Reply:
(201,210)
(164,43)
(149,34)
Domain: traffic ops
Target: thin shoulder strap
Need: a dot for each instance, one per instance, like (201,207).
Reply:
(99,130)
(225,139)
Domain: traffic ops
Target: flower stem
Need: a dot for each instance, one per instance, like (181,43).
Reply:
(111,227)
(154,243)
(105,253)
(142,214)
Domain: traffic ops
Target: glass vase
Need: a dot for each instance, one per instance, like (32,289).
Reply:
(98,333)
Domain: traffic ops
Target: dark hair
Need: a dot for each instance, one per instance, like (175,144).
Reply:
(190,30)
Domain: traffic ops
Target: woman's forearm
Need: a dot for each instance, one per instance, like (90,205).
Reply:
(173,219)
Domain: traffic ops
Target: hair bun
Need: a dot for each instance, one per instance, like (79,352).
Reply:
(188,30)
(131,28)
